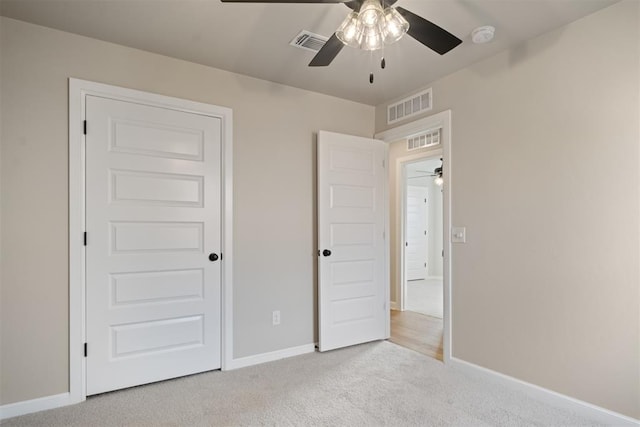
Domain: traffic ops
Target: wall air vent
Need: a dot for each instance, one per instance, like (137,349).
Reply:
(309,41)
(424,139)
(409,107)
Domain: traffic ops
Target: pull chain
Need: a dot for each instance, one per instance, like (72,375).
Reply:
(383,62)
(371,66)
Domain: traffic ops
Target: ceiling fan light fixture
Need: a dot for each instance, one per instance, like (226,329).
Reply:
(372,27)
(350,31)
(395,26)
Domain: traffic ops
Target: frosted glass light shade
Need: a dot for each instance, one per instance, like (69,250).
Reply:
(370,14)
(350,31)
(372,39)
(395,26)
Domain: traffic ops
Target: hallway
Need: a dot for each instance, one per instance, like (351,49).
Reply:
(425,296)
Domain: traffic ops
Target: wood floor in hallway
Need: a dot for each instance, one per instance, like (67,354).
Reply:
(418,332)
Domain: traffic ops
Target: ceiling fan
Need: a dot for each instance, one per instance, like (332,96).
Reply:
(437,174)
(373,23)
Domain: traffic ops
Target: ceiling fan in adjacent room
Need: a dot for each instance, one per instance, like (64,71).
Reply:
(437,174)
(373,24)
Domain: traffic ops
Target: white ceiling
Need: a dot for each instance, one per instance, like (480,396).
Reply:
(253,39)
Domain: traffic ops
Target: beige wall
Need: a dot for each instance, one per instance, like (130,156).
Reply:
(274,191)
(546,178)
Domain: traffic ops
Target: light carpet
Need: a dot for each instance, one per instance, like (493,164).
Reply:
(426,297)
(373,384)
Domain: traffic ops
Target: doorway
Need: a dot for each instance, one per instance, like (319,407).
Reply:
(427,334)
(418,324)
(422,287)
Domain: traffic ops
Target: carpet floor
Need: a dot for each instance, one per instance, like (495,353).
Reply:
(373,384)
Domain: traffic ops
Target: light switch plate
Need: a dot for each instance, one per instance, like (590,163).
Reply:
(458,234)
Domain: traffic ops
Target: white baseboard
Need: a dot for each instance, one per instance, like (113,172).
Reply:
(35,405)
(50,402)
(394,305)
(587,410)
(270,357)
(580,407)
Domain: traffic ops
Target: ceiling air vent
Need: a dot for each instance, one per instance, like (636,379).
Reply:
(309,41)
(424,139)
(411,106)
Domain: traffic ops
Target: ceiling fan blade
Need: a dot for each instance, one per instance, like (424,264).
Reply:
(325,55)
(284,1)
(428,33)
(351,4)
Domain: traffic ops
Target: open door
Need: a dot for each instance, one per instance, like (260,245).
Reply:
(352,282)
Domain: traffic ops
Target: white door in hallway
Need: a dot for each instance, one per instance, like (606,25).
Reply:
(153,239)
(416,233)
(351,258)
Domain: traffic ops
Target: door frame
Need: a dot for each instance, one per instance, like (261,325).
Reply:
(78,91)
(440,120)
(401,200)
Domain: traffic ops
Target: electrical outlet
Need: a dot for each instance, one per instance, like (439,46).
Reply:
(276,318)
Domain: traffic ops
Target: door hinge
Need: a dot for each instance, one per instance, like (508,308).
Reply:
(425,264)
(425,200)
(220,256)
(84,127)
(383,163)
(84,238)
(85,349)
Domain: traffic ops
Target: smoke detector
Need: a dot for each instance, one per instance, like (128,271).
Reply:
(483,34)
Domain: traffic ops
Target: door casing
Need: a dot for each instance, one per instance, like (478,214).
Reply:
(78,90)
(441,120)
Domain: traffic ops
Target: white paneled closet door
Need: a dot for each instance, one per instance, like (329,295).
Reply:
(153,244)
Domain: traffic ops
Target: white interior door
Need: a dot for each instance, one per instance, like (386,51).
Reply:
(351,222)
(415,253)
(153,219)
